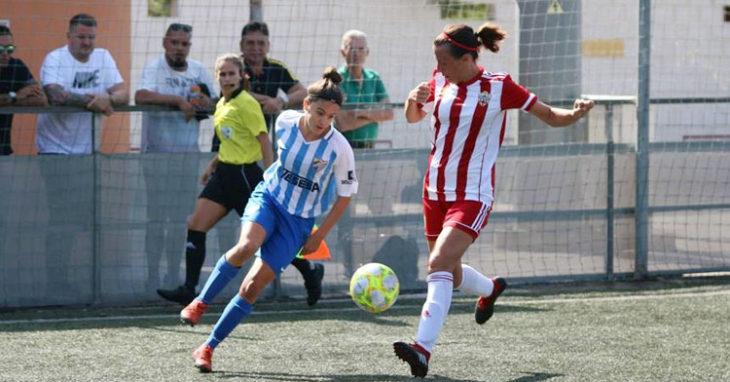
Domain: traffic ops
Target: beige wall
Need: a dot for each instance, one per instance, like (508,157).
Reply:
(40,26)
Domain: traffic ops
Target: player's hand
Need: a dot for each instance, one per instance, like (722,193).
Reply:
(582,106)
(312,243)
(101,103)
(29,91)
(203,102)
(187,108)
(420,93)
(271,105)
(206,176)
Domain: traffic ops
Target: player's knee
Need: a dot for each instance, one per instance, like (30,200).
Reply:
(240,253)
(437,263)
(250,290)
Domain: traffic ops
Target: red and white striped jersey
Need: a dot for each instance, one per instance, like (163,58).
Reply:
(468,124)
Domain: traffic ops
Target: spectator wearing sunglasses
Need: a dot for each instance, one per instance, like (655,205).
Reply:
(17,87)
(171,79)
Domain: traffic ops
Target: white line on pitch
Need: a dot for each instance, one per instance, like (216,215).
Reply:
(397,307)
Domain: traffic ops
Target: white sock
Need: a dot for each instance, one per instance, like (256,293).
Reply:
(435,309)
(475,283)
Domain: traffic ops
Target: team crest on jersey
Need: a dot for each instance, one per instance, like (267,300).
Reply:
(317,162)
(484,98)
(227,132)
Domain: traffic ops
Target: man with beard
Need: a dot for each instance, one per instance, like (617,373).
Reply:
(171,80)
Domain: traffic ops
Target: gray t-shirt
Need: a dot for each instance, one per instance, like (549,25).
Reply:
(167,132)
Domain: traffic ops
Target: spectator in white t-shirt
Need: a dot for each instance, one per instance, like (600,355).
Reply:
(171,80)
(78,74)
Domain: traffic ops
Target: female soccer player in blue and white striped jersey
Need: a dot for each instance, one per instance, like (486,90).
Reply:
(315,172)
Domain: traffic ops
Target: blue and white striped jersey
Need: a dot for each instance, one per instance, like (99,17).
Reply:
(307,177)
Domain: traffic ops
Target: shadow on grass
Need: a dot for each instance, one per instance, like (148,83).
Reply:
(535,377)
(167,318)
(292,377)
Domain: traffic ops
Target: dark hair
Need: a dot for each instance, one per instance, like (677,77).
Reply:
(180,27)
(462,39)
(255,26)
(83,19)
(327,88)
(5,31)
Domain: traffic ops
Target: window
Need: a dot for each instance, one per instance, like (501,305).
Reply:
(727,13)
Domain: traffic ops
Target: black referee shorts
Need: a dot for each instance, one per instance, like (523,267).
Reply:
(232,184)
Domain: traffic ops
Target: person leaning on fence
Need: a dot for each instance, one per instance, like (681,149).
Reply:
(232,174)
(469,108)
(361,86)
(314,172)
(275,88)
(78,74)
(172,79)
(17,87)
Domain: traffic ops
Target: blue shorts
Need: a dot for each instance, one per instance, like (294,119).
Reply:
(285,233)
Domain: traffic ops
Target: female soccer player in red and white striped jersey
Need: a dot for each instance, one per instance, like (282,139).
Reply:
(469,108)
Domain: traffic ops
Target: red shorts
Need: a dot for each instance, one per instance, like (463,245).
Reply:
(469,216)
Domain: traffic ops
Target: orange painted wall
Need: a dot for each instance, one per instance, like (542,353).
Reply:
(40,26)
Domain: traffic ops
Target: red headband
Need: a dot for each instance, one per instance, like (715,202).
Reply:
(460,45)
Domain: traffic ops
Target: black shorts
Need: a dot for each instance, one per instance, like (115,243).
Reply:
(232,184)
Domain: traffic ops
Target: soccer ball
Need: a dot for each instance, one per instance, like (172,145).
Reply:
(374,287)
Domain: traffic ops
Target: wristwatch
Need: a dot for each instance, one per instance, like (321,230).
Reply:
(13,97)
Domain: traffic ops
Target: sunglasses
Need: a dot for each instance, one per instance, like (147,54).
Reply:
(9,49)
(181,27)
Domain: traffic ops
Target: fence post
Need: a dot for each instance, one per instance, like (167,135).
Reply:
(610,179)
(642,143)
(95,247)
(256,12)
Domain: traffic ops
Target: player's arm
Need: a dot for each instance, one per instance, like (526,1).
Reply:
(296,95)
(29,95)
(148,97)
(205,177)
(417,97)
(333,216)
(57,96)
(376,115)
(105,102)
(559,117)
(267,150)
(118,94)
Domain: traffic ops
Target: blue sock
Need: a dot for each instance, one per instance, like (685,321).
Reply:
(218,279)
(236,310)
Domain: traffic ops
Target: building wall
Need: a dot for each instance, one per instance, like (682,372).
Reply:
(40,26)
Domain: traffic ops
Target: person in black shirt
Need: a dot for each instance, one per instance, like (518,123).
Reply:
(274,86)
(17,87)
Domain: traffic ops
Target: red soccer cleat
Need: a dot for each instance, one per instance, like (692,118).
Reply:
(485,305)
(191,314)
(203,357)
(416,356)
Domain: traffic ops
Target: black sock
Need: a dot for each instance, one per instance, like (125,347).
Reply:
(194,258)
(302,265)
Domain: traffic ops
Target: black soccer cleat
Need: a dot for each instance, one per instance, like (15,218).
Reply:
(313,283)
(181,295)
(416,357)
(485,305)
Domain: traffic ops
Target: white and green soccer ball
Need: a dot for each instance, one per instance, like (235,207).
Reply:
(374,287)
